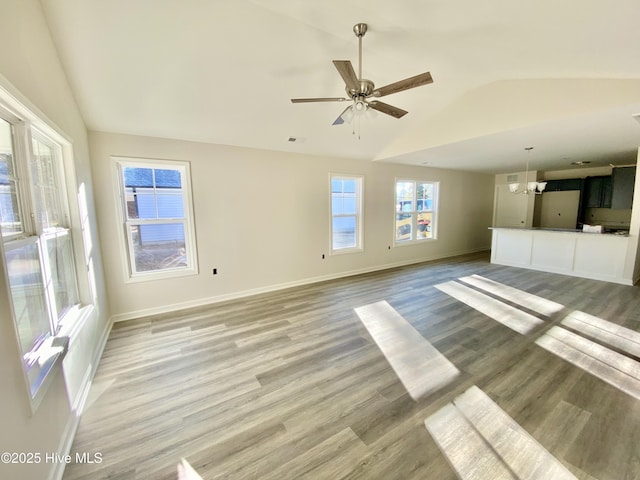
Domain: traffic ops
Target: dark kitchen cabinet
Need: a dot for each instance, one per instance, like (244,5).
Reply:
(563,185)
(623,180)
(598,192)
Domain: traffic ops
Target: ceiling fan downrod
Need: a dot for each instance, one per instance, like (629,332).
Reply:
(360,29)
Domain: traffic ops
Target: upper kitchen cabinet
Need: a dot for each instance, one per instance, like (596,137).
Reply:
(564,185)
(623,180)
(598,192)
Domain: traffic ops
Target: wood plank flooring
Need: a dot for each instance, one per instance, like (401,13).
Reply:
(292,385)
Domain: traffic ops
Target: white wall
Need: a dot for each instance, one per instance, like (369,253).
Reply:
(514,210)
(30,67)
(262,219)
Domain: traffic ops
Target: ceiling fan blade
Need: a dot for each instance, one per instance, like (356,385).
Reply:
(405,84)
(388,109)
(340,119)
(348,74)
(321,99)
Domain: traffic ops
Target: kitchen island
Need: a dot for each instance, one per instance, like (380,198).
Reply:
(598,256)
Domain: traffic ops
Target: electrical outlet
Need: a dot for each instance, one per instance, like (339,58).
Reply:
(215,271)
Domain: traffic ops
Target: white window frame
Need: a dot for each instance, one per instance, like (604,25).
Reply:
(359,181)
(27,123)
(129,265)
(414,213)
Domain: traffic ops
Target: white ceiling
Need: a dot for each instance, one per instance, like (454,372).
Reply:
(563,77)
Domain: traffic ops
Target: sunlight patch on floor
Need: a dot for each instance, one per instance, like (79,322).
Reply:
(612,367)
(617,336)
(420,367)
(520,297)
(481,441)
(517,320)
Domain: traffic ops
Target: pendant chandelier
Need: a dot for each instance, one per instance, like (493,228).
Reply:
(529,187)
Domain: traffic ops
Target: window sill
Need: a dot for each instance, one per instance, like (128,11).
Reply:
(161,275)
(74,320)
(346,251)
(414,242)
(49,356)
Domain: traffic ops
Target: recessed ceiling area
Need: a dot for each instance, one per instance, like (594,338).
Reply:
(562,77)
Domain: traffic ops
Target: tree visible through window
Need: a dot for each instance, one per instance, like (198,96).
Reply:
(415,210)
(158,223)
(346,217)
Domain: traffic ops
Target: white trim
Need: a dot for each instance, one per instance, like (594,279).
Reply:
(23,109)
(31,124)
(359,213)
(66,440)
(414,213)
(121,317)
(126,243)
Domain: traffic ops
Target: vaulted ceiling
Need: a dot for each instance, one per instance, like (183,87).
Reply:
(563,77)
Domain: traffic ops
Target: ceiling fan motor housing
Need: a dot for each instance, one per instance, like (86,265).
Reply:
(366,89)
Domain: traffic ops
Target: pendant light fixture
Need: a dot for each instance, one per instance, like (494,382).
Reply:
(529,187)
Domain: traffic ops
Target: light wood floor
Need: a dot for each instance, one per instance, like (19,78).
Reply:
(292,385)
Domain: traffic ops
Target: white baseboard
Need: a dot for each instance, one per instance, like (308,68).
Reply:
(121,317)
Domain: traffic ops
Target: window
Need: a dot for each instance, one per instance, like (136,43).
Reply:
(416,206)
(346,213)
(37,245)
(158,228)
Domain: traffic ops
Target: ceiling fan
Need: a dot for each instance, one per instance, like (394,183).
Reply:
(362,92)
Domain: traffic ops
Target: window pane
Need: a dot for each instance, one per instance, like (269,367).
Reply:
(170,205)
(159,247)
(425,196)
(10,217)
(138,177)
(145,203)
(63,277)
(424,225)
(336,185)
(344,232)
(349,185)
(27,293)
(336,204)
(45,189)
(349,204)
(404,196)
(403,226)
(165,178)
(153,193)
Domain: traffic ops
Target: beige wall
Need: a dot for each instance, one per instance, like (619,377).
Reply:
(30,69)
(262,219)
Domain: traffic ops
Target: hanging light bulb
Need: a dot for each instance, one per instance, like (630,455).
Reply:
(359,107)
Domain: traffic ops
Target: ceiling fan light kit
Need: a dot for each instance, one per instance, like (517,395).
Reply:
(362,92)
